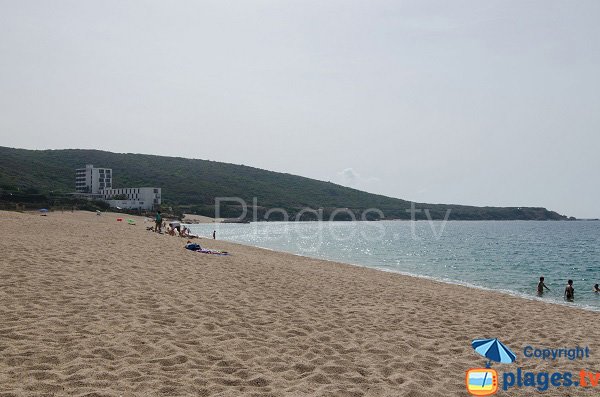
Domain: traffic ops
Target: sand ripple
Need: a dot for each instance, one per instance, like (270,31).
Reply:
(93,307)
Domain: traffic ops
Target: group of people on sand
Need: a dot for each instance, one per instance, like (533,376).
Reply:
(174,228)
(569,294)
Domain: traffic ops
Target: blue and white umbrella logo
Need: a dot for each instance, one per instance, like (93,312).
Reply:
(494,350)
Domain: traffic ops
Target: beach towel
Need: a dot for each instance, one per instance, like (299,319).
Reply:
(212,252)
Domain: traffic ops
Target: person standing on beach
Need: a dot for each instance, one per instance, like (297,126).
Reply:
(214,234)
(158,222)
(541,286)
(569,291)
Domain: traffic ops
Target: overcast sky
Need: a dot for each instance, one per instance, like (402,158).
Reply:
(467,102)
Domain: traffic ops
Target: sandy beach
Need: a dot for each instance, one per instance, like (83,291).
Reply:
(95,307)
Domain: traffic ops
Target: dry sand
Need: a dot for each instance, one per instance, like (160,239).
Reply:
(95,307)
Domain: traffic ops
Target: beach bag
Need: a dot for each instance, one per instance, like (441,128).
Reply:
(193,246)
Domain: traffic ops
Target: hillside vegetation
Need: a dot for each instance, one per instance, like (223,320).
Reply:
(192,185)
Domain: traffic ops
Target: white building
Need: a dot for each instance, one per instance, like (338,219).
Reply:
(97,183)
(145,198)
(91,180)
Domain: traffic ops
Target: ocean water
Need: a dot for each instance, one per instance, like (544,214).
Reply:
(508,256)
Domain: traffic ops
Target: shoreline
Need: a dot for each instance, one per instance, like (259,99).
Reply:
(446,281)
(513,294)
(91,305)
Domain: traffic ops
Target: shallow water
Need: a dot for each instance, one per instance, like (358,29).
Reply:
(502,255)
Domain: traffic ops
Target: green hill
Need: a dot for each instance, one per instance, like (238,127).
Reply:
(192,185)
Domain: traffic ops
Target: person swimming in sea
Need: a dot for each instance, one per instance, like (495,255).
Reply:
(569,291)
(541,286)
(596,288)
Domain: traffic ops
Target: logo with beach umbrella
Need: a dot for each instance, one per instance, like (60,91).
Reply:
(484,381)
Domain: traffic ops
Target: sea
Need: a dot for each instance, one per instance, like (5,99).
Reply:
(506,256)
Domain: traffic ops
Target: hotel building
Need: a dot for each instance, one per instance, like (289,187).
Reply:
(97,183)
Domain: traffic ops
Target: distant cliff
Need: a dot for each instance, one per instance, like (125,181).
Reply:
(192,186)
